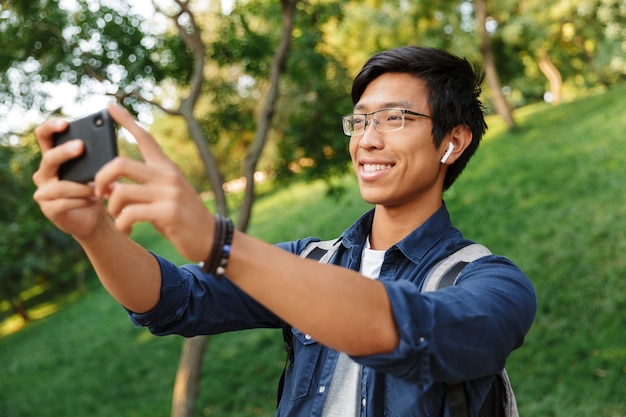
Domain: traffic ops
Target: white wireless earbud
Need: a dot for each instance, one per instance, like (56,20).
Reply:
(447,154)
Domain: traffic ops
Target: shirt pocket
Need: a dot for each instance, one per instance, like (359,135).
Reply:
(306,356)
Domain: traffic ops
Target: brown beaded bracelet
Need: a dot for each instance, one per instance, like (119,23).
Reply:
(217,261)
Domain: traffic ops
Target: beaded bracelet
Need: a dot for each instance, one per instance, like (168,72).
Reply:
(217,260)
(223,263)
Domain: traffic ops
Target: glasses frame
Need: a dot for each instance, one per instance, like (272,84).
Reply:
(345,120)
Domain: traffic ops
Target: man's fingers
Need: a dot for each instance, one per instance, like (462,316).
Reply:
(149,148)
(63,190)
(44,132)
(66,204)
(125,194)
(54,157)
(129,169)
(137,213)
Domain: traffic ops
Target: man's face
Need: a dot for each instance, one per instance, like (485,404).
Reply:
(401,168)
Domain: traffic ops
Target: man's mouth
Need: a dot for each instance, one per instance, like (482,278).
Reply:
(368,168)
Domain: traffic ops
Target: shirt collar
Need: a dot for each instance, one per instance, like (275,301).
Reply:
(415,245)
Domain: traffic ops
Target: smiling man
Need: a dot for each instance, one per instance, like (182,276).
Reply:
(366,340)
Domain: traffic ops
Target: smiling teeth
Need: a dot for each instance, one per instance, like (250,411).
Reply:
(375,167)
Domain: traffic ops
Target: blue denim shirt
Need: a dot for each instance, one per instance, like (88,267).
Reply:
(460,333)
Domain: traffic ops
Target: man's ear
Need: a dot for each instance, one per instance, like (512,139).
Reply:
(455,143)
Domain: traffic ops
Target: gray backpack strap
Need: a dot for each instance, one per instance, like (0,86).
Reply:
(446,271)
(510,403)
(321,251)
(442,275)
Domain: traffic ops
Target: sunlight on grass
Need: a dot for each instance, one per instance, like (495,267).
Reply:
(11,325)
(34,291)
(5,306)
(144,337)
(15,323)
(43,310)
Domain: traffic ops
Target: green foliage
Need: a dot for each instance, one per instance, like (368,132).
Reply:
(311,143)
(88,43)
(248,37)
(314,91)
(32,251)
(584,39)
(240,47)
(240,51)
(546,195)
(81,44)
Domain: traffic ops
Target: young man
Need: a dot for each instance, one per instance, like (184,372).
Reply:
(367,342)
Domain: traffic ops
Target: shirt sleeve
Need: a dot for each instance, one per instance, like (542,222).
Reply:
(462,332)
(193,303)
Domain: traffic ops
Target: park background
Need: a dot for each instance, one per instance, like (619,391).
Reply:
(255,90)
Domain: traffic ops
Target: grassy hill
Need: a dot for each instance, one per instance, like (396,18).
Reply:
(552,197)
(549,195)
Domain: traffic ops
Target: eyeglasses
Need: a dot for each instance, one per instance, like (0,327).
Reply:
(385,120)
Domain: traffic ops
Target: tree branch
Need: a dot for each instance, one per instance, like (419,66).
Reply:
(267,111)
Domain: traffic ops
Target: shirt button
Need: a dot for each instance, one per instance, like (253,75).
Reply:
(308,337)
(321,389)
(364,402)
(422,340)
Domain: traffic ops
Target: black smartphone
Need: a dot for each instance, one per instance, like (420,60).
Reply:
(97,131)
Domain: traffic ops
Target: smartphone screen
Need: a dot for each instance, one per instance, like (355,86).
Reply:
(97,131)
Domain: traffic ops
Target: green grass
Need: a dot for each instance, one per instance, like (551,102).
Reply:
(549,195)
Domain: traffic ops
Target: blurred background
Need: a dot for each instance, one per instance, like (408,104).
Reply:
(246,96)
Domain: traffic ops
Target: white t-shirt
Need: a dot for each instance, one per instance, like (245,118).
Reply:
(344,395)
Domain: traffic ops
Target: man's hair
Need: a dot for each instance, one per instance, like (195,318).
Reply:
(454,87)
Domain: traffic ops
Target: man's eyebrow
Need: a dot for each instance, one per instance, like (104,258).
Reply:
(387,105)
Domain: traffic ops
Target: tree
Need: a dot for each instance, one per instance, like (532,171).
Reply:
(188,376)
(558,50)
(452,25)
(491,72)
(114,48)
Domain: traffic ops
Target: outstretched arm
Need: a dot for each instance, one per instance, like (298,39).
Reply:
(338,307)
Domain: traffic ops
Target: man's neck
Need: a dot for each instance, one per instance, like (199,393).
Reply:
(391,225)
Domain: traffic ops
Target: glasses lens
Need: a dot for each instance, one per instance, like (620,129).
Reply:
(385,120)
(388,120)
(353,124)
(348,128)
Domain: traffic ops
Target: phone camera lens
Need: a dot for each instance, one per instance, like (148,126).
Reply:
(99,121)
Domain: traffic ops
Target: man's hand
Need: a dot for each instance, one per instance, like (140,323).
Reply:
(71,206)
(156,192)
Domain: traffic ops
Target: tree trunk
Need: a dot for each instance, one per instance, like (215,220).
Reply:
(267,112)
(188,376)
(491,73)
(189,373)
(20,308)
(553,75)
